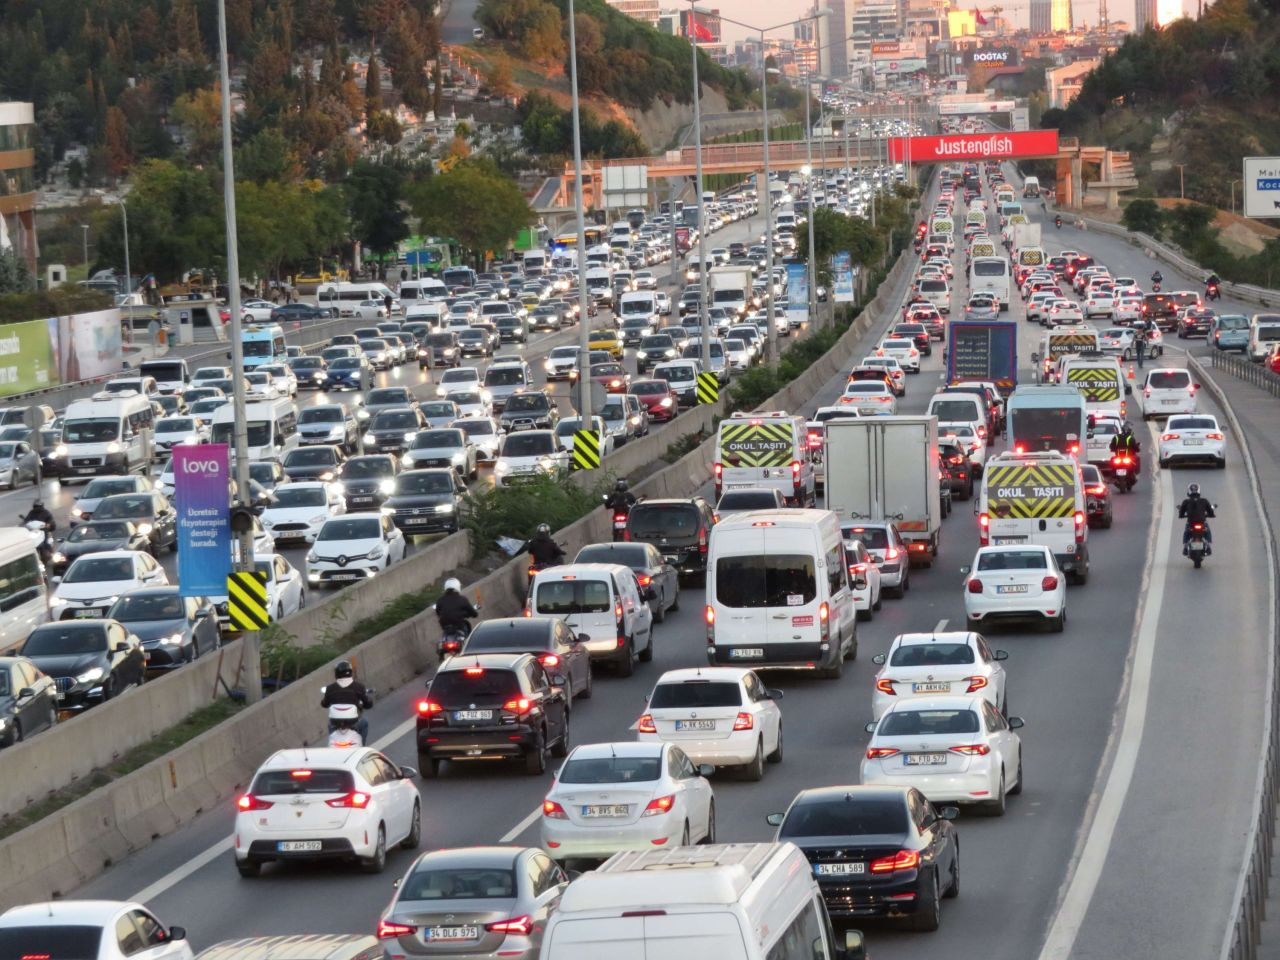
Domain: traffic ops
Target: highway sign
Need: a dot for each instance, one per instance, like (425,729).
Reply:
(1262,186)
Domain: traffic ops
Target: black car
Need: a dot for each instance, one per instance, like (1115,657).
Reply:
(876,851)
(313,462)
(150,512)
(392,430)
(511,329)
(425,501)
(529,411)
(547,638)
(493,705)
(368,480)
(329,423)
(386,398)
(1196,322)
(95,537)
(957,469)
(1097,496)
(650,567)
(654,349)
(28,700)
(90,660)
(173,629)
(440,349)
(680,529)
(302,313)
(311,371)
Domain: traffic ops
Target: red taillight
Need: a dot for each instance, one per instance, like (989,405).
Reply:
(744,722)
(718,470)
(549,660)
(646,724)
(389,931)
(1049,583)
(1019,448)
(1197,527)
(976,684)
(553,810)
(902,860)
(982,431)
(891,553)
(474,671)
(972,750)
(879,753)
(1164,437)
(354,800)
(617,613)
(702,539)
(250,802)
(645,579)
(1073,449)
(886,686)
(619,518)
(1080,526)
(659,805)
(517,925)
(1213,436)
(428,707)
(975,585)
(1097,491)
(518,705)
(955,460)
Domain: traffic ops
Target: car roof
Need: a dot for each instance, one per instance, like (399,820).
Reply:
(60,912)
(850,792)
(593,751)
(941,636)
(478,857)
(694,674)
(1011,548)
(311,757)
(490,661)
(110,555)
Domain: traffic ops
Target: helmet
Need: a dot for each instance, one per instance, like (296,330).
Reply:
(38,504)
(342,669)
(452,585)
(544,530)
(1193,490)
(620,486)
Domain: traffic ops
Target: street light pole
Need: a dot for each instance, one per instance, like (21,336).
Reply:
(768,214)
(584,340)
(704,315)
(84,239)
(128,274)
(812,305)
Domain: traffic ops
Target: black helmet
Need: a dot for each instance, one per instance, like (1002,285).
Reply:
(544,530)
(36,505)
(620,486)
(342,670)
(1193,490)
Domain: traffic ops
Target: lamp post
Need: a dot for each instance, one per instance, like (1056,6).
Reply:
(128,273)
(704,317)
(1182,183)
(812,306)
(584,339)
(84,242)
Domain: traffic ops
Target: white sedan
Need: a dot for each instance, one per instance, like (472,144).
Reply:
(301,508)
(724,716)
(869,397)
(1064,311)
(370,310)
(94,581)
(473,403)
(864,578)
(610,797)
(953,749)
(285,379)
(1128,308)
(1100,302)
(903,350)
(1015,582)
(932,664)
(1118,341)
(1193,437)
(459,380)
(258,311)
(353,547)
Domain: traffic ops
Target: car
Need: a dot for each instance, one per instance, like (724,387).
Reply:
(1099,301)
(682,375)
(891,367)
(301,313)
(958,470)
(286,591)
(624,418)
(90,660)
(1167,391)
(952,748)
(916,332)
(309,372)
(313,462)
(1063,311)
(441,413)
(1196,322)
(96,536)
(425,501)
(28,700)
(391,431)
(282,377)
(94,581)
(267,474)
(256,310)
(173,629)
(549,639)
(749,498)
(1230,332)
(527,455)
(560,362)
(100,487)
(1128,308)
(568,427)
(149,510)
(941,663)
(653,571)
(608,340)
(483,435)
(864,579)
(612,376)
(300,508)
(877,851)
(902,350)
(1117,341)
(610,797)
(493,706)
(1039,304)
(658,399)
(354,547)
(970,438)
(982,307)
(326,803)
(1154,335)
(533,410)
(679,528)
(348,373)
(1015,582)
(1196,437)
(19,463)
(870,397)
(886,549)
(1097,496)
(326,423)
(434,906)
(474,342)
(368,480)
(443,447)
(93,930)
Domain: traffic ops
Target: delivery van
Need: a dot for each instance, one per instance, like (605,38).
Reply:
(604,605)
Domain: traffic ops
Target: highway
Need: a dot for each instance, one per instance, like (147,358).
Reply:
(1129,831)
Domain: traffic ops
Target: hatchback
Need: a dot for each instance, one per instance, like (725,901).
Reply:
(91,930)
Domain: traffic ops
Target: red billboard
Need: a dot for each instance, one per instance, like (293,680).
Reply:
(997,145)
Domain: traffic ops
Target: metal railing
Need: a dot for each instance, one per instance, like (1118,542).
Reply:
(1258,374)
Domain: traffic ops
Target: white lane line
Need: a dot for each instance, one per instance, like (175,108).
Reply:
(383,742)
(940,626)
(1093,857)
(522,826)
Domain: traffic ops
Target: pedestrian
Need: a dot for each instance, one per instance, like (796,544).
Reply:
(404,274)
(387,301)
(1140,346)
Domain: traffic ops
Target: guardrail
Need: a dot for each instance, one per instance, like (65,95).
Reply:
(1258,374)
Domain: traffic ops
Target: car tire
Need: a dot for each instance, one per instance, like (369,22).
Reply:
(414,839)
(754,771)
(996,807)
(646,655)
(928,913)
(1058,623)
(585,693)
(1106,523)
(1017,784)
(248,868)
(660,614)
(428,766)
(378,862)
(627,664)
(535,761)
(561,748)
(1221,464)
(776,755)
(879,601)
(953,888)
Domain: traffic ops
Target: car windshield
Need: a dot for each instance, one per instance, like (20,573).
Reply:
(64,640)
(1192,423)
(674,374)
(504,377)
(305,363)
(97,430)
(274,783)
(362,468)
(262,472)
(92,568)
(50,942)
(148,606)
(423,483)
(89,532)
(395,420)
(931,655)
(851,817)
(602,770)
(696,693)
(1168,380)
(311,457)
(528,444)
(124,506)
(924,723)
(438,439)
(291,497)
(345,363)
(459,884)
(528,402)
(176,425)
(748,500)
(658,341)
(320,415)
(653,520)
(475,427)
(769,580)
(389,396)
(1013,560)
(448,408)
(612,412)
(562,598)
(350,528)
(949,411)
(633,555)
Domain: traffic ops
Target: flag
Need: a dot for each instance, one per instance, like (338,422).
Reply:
(981,20)
(701,32)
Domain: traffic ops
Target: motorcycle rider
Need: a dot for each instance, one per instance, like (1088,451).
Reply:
(454,611)
(1157,278)
(1211,286)
(347,689)
(41,513)
(1196,509)
(1124,442)
(1057,221)
(620,500)
(542,549)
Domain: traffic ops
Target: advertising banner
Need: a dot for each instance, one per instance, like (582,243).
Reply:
(200,476)
(961,107)
(797,292)
(905,65)
(27,360)
(842,274)
(88,344)
(991,146)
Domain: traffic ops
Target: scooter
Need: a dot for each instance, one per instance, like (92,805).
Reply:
(41,538)
(1057,222)
(1197,546)
(343,718)
(1211,292)
(1124,470)
(451,642)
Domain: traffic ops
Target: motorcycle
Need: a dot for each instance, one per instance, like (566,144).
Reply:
(1057,222)
(343,718)
(1211,292)
(1197,545)
(450,643)
(41,538)
(1124,470)
(1155,287)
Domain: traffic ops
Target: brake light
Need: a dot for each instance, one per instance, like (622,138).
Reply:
(517,925)
(553,810)
(744,722)
(709,615)
(300,774)
(550,660)
(984,528)
(982,431)
(250,802)
(659,805)
(1096,491)
(518,705)
(972,750)
(886,686)
(879,753)
(1170,436)
(955,460)
(1213,436)
(717,469)
(428,707)
(474,671)
(702,539)
(1049,583)
(976,684)
(1073,449)
(389,931)
(646,724)
(1197,527)
(975,585)
(891,553)
(902,860)
(354,800)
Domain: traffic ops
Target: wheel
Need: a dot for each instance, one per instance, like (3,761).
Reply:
(1080,577)
(1059,622)
(1197,561)
(585,694)
(37,478)
(776,756)
(1222,464)
(1017,784)
(414,838)
(428,767)
(646,655)
(535,761)
(627,665)
(660,615)
(995,808)
(879,601)
(710,838)
(906,578)
(109,689)
(835,671)
(561,748)
(754,771)
(1106,522)
(16,735)
(51,719)
(864,615)
(378,862)
(248,868)
(1164,464)
(953,888)
(928,908)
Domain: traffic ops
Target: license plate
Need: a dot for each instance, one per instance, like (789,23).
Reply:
(838,869)
(671,558)
(695,724)
(1012,588)
(89,612)
(451,933)
(924,759)
(86,469)
(606,810)
(344,576)
(931,688)
(1171,403)
(299,846)
(1000,541)
(746,653)
(362,499)
(473,714)
(1122,472)
(416,519)
(1192,443)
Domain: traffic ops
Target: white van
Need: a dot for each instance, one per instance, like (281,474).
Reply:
(272,427)
(955,408)
(110,433)
(347,296)
(422,290)
(604,604)
(638,303)
(743,901)
(990,275)
(1099,378)
(600,284)
(22,591)
(778,592)
(1037,498)
(171,374)
(937,292)
(758,449)
(1264,333)
(534,263)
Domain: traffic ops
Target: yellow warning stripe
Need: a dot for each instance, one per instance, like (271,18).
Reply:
(247,601)
(586,450)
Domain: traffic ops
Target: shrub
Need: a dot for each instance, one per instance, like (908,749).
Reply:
(516,511)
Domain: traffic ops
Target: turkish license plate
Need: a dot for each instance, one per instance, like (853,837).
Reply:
(999,541)
(1122,472)
(671,557)
(344,576)
(1171,403)
(746,653)
(931,688)
(86,470)
(473,714)
(89,612)
(695,724)
(416,519)
(606,810)
(299,846)
(362,499)
(451,933)
(1012,588)
(838,869)
(924,759)
(1193,443)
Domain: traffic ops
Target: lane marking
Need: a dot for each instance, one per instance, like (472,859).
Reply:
(522,826)
(941,625)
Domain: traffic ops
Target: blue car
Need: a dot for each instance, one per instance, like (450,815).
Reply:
(349,373)
(1230,331)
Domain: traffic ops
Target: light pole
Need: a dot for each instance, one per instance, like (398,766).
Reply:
(84,241)
(812,305)
(584,339)
(128,274)
(703,313)
(1182,183)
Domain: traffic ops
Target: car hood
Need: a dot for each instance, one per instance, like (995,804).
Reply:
(319,429)
(90,504)
(363,484)
(95,590)
(292,514)
(310,471)
(150,630)
(71,664)
(70,550)
(346,548)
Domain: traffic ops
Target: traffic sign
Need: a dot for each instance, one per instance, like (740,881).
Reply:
(1262,186)
(708,388)
(598,395)
(247,600)
(586,450)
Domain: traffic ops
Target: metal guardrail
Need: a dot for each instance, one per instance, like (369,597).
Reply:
(1258,374)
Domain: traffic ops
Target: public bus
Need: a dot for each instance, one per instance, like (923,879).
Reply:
(569,240)
(262,343)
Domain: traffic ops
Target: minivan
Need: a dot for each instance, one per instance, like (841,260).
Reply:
(1230,331)
(1167,391)
(604,604)
(680,529)
(108,433)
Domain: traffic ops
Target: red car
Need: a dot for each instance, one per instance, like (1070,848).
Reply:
(612,376)
(658,398)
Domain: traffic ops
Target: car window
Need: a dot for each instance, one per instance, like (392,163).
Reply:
(845,818)
(128,936)
(772,580)
(931,654)
(153,933)
(924,723)
(1013,560)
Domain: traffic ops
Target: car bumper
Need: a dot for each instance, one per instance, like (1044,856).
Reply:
(266,850)
(426,523)
(482,743)
(988,609)
(978,784)
(1178,451)
(1157,407)
(731,751)
(565,841)
(797,655)
(326,574)
(895,897)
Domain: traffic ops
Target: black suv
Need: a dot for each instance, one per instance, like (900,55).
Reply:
(680,529)
(391,431)
(1161,308)
(529,411)
(369,480)
(440,349)
(91,661)
(493,705)
(313,462)
(425,501)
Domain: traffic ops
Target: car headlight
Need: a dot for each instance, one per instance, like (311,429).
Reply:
(59,557)
(375,553)
(664,402)
(144,528)
(90,675)
(77,512)
(339,487)
(458,458)
(362,414)
(547,464)
(56,601)
(177,639)
(369,438)
(440,391)
(548,366)
(500,467)
(444,508)
(311,557)
(113,447)
(387,486)
(335,432)
(60,450)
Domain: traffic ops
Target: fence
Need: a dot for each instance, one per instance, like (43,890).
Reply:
(1258,374)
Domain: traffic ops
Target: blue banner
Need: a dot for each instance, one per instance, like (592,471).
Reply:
(797,292)
(201,492)
(842,277)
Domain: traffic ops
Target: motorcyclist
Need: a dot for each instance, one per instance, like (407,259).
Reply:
(1157,278)
(542,549)
(1057,221)
(620,500)
(1124,442)
(41,513)
(347,689)
(1212,285)
(1196,509)
(454,611)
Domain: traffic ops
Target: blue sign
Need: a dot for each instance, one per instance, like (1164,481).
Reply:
(201,491)
(1268,183)
(797,292)
(842,275)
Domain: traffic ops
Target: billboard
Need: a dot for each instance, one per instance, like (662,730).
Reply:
(889,48)
(27,359)
(87,344)
(992,57)
(200,477)
(959,107)
(992,146)
(842,275)
(797,292)
(626,185)
(907,65)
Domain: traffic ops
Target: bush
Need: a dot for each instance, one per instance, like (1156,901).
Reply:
(1143,215)
(516,511)
(59,302)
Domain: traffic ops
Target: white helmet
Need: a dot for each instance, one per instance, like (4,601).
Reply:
(452,585)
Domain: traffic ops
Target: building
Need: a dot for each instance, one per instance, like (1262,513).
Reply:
(1063,83)
(833,50)
(962,23)
(18,180)
(870,24)
(1053,16)
(1144,15)
(646,11)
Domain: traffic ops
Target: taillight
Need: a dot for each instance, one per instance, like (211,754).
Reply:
(1096,491)
(250,802)
(1049,583)
(982,431)
(553,810)
(516,925)
(389,931)
(549,660)
(879,753)
(795,473)
(1213,436)
(645,579)
(984,529)
(744,722)
(975,585)
(886,686)
(1080,527)
(659,805)
(702,539)
(891,553)
(976,684)
(709,615)
(955,460)
(354,800)
(972,750)
(518,705)
(1074,449)
(824,623)
(902,860)
(646,724)
(428,707)
(1164,437)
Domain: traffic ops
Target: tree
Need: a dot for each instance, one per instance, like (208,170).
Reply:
(267,155)
(14,275)
(473,203)
(373,192)
(1143,215)
(373,88)
(543,37)
(115,143)
(836,233)
(200,116)
(499,78)
(1053,119)
(1190,224)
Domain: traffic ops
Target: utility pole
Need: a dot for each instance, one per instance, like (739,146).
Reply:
(584,340)
(703,313)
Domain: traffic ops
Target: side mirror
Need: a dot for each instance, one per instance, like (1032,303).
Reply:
(558,679)
(854,946)
(650,593)
(26,693)
(1016,723)
(55,580)
(871,727)
(705,770)
(879,658)
(774,819)
(948,813)
(1128,388)
(1000,655)
(965,569)
(408,773)
(120,648)
(581,638)
(774,694)
(177,933)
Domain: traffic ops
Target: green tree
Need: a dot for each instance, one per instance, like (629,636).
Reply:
(373,193)
(14,275)
(266,156)
(473,203)
(1143,215)
(543,37)
(373,88)
(1190,224)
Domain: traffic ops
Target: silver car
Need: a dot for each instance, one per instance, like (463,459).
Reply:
(484,901)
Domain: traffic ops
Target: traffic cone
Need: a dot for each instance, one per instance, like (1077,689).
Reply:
(1131,371)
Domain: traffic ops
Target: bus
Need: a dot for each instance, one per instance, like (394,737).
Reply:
(262,343)
(990,275)
(1040,418)
(594,235)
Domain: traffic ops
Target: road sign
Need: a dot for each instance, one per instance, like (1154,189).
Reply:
(1262,186)
(586,450)
(708,388)
(247,600)
(598,395)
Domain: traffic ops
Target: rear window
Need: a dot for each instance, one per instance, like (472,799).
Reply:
(696,693)
(925,723)
(874,538)
(49,943)
(509,635)
(611,770)
(932,654)
(989,268)
(564,598)
(845,818)
(955,411)
(1168,379)
(271,783)
(461,884)
(933,286)
(749,500)
(648,521)
(634,555)
(474,684)
(771,580)
(1013,560)
(1192,423)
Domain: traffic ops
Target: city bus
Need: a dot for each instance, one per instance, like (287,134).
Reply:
(262,343)
(1040,418)
(568,240)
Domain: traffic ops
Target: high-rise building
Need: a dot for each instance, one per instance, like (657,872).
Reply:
(873,23)
(833,51)
(645,11)
(18,180)
(1053,16)
(1144,15)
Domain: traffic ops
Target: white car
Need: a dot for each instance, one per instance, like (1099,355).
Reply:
(1117,341)
(370,310)
(286,592)
(100,930)
(528,454)
(1103,427)
(473,403)
(300,509)
(1193,437)
(934,664)
(568,426)
(261,385)
(892,367)
(864,579)
(326,804)
(286,381)
(966,436)
(106,486)
(458,380)
(885,548)
(869,397)
(95,580)
(1128,307)
(903,350)
(738,353)
(1168,391)
(483,434)
(953,749)
(204,375)
(353,547)
(646,280)
(1015,582)
(610,797)
(258,311)
(724,716)
(664,303)
(561,362)
(175,431)
(1064,311)
(1038,305)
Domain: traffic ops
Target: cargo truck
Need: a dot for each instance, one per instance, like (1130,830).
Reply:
(887,468)
(730,286)
(983,350)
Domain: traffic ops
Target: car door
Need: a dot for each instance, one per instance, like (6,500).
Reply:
(554,699)
(697,792)
(165,520)
(153,941)
(998,676)
(401,793)
(934,847)
(1004,740)
(574,659)
(288,585)
(768,715)
(547,881)
(636,610)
